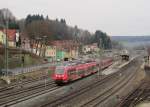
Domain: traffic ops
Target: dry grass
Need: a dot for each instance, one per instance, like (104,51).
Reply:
(46,72)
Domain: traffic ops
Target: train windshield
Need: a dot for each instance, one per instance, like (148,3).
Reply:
(59,70)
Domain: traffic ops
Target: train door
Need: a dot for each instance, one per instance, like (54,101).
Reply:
(79,72)
(95,68)
(89,69)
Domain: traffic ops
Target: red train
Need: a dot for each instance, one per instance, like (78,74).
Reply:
(75,70)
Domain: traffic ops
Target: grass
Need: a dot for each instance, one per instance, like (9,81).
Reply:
(34,75)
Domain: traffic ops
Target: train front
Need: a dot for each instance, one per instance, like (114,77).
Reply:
(60,75)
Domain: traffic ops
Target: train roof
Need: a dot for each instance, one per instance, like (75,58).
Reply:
(75,62)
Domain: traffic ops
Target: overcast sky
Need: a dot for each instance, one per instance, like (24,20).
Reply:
(115,17)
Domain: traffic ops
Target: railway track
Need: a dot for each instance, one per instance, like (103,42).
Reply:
(60,101)
(141,93)
(15,97)
(65,98)
(18,84)
(96,101)
(7,93)
(21,83)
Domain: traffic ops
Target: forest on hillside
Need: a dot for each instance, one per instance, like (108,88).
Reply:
(38,26)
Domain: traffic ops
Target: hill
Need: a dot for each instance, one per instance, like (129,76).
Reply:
(132,41)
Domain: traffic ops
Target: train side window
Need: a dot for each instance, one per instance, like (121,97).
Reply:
(72,71)
(80,72)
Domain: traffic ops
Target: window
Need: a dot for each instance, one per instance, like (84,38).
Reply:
(59,70)
(73,71)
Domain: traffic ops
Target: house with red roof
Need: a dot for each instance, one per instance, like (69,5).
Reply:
(11,36)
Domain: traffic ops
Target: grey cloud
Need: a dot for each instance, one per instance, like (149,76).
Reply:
(116,17)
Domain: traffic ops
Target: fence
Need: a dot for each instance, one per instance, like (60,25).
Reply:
(17,71)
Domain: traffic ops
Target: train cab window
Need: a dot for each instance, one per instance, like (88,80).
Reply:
(59,70)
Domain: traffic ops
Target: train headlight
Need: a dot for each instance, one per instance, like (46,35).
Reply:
(59,76)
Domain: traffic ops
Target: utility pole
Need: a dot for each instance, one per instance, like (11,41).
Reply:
(6,49)
(6,24)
